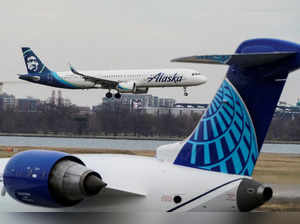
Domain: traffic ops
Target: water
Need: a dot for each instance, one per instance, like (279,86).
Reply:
(82,143)
(117,144)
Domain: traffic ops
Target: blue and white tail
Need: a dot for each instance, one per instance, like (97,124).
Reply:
(229,136)
(33,64)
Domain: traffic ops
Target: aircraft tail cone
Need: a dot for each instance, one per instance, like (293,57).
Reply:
(93,184)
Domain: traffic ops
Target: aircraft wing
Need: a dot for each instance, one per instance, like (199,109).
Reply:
(122,192)
(105,83)
(242,60)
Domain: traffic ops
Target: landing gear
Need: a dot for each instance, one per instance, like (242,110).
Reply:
(108,95)
(117,95)
(185,93)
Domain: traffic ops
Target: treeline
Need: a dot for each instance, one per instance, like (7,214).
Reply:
(121,120)
(117,120)
(49,119)
(285,128)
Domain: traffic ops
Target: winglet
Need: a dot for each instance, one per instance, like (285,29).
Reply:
(73,70)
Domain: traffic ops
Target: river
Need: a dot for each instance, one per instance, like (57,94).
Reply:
(117,144)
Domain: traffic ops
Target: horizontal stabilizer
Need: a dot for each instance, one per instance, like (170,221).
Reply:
(242,60)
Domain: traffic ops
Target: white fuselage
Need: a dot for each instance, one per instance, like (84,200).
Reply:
(155,182)
(141,78)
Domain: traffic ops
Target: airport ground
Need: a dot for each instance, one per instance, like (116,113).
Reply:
(281,171)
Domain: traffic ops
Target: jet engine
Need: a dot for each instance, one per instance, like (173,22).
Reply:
(252,194)
(126,87)
(141,90)
(130,87)
(50,179)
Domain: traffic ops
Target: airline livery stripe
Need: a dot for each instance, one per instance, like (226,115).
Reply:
(213,125)
(193,156)
(206,154)
(202,195)
(205,131)
(219,149)
(25,52)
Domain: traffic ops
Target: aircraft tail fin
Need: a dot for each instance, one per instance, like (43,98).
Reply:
(229,136)
(33,63)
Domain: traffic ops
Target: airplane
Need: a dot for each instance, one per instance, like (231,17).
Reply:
(122,81)
(210,170)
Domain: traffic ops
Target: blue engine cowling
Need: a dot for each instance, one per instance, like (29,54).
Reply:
(49,179)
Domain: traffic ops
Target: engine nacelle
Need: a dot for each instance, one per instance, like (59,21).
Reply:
(49,179)
(126,87)
(252,194)
(141,90)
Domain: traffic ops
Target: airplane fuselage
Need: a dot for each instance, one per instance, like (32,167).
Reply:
(156,183)
(141,78)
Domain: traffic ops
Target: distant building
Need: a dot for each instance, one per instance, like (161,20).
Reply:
(144,100)
(175,111)
(84,110)
(7,101)
(154,105)
(59,100)
(28,104)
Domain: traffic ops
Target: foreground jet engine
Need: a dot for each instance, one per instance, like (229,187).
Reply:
(50,179)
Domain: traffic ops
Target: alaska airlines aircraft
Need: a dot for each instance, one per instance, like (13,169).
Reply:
(123,81)
(208,171)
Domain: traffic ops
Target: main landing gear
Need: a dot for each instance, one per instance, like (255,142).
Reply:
(117,95)
(185,93)
(109,95)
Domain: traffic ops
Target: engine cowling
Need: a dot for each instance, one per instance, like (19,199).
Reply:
(50,179)
(141,90)
(252,194)
(126,87)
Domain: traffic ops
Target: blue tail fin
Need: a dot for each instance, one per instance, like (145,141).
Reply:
(229,136)
(33,63)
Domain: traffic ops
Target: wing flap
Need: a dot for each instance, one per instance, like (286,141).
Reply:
(242,60)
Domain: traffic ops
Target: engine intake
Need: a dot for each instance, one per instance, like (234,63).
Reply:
(50,179)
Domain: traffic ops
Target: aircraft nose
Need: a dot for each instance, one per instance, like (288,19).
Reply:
(202,79)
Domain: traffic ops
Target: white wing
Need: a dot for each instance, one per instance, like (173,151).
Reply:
(105,83)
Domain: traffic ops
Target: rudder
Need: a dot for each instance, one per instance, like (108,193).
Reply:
(229,136)
(33,63)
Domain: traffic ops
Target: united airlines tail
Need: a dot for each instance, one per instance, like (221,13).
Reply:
(229,136)
(33,64)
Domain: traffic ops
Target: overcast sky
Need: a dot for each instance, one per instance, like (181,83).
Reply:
(118,34)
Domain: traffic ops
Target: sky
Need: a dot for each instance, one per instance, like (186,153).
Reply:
(137,34)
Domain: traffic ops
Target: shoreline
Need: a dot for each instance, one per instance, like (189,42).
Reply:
(121,137)
(118,137)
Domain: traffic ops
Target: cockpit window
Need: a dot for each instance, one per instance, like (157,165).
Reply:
(197,73)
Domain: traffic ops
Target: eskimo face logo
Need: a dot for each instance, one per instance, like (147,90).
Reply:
(32,63)
(161,77)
